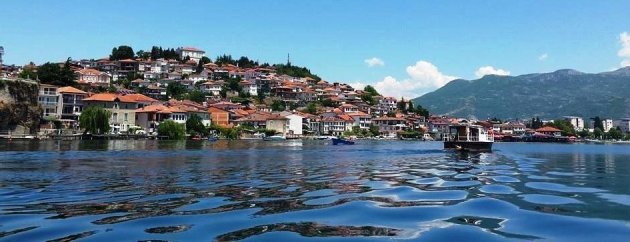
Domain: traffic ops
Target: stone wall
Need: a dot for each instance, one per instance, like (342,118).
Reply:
(19,109)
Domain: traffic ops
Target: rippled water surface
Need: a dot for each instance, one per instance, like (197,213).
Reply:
(311,190)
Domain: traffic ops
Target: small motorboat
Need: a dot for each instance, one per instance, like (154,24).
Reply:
(213,138)
(275,137)
(340,141)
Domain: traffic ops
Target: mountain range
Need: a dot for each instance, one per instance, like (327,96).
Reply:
(545,95)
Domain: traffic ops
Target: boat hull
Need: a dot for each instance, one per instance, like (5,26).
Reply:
(468,145)
(342,142)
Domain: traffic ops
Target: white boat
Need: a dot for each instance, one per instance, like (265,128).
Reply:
(468,137)
(275,137)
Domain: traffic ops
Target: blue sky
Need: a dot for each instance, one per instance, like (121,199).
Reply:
(421,44)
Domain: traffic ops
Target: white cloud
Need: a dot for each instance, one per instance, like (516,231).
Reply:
(490,70)
(543,57)
(624,52)
(358,85)
(374,61)
(423,77)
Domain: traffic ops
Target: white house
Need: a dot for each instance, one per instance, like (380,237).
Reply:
(250,87)
(91,76)
(213,88)
(295,123)
(194,53)
(608,124)
(577,122)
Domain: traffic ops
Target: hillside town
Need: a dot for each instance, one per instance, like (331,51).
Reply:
(241,99)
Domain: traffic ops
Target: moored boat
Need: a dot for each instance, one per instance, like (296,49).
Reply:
(341,141)
(468,137)
(275,137)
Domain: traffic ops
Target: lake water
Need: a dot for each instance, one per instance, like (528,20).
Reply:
(311,190)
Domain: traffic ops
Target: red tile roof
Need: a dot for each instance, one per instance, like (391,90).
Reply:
(70,90)
(548,129)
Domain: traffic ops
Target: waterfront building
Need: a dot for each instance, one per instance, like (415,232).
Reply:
(333,125)
(361,119)
(71,105)
(121,107)
(48,98)
(577,122)
(278,123)
(295,123)
(551,131)
(150,117)
(390,126)
(220,117)
(608,124)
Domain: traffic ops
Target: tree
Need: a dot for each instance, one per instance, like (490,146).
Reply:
(48,73)
(245,62)
(67,76)
(121,53)
(598,133)
(224,59)
(402,105)
(278,105)
(368,98)
(175,90)
(369,89)
(328,103)
(536,123)
(374,130)
(584,133)
(95,120)
(615,134)
(418,110)
(597,123)
(51,73)
(564,125)
(197,96)
(28,73)
(234,84)
(295,71)
(204,60)
(125,82)
(194,125)
(172,130)
(143,55)
(311,108)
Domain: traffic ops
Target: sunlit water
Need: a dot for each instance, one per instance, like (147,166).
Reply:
(311,190)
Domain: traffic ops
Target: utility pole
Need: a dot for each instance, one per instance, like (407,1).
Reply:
(1,54)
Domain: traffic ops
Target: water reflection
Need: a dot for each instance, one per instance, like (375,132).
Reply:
(234,190)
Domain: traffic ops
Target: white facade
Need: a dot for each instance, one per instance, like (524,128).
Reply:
(252,89)
(194,53)
(608,124)
(577,122)
(212,88)
(295,124)
(179,118)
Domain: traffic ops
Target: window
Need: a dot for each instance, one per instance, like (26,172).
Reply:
(126,117)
